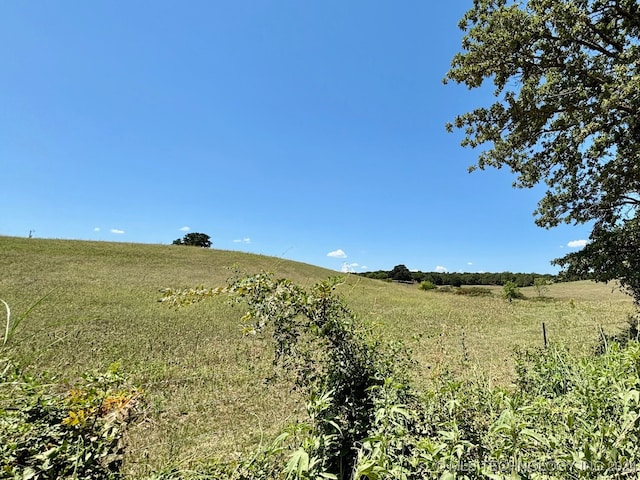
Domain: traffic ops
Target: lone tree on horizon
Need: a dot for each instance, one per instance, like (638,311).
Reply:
(566,76)
(194,239)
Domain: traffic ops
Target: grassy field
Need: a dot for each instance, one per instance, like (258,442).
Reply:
(205,384)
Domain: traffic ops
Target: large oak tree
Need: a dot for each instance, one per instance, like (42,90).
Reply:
(567,113)
(194,239)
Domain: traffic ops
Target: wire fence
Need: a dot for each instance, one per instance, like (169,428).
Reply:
(603,332)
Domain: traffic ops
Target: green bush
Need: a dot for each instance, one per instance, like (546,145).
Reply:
(427,285)
(355,387)
(49,434)
(511,291)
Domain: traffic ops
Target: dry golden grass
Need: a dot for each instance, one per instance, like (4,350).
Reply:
(477,335)
(204,382)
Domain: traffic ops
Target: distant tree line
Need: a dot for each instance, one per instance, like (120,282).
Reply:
(400,273)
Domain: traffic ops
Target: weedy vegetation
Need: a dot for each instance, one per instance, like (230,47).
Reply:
(49,432)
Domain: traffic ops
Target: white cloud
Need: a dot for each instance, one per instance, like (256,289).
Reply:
(117,231)
(185,229)
(469,263)
(348,267)
(245,240)
(97,229)
(363,267)
(441,269)
(577,243)
(337,254)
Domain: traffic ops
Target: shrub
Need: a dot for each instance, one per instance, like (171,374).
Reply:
(354,386)
(511,292)
(541,285)
(49,435)
(427,285)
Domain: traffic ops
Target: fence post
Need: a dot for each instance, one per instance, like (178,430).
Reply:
(544,335)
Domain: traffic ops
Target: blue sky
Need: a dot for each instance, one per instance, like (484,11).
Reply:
(312,131)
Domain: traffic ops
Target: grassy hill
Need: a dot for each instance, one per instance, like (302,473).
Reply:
(205,383)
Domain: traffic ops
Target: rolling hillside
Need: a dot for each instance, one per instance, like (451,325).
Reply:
(205,383)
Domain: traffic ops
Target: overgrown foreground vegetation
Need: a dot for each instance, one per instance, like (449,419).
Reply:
(75,433)
(565,418)
(403,384)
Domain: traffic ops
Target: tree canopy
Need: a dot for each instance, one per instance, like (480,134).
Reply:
(401,273)
(567,83)
(194,239)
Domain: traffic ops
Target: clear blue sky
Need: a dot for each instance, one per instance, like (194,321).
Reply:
(308,130)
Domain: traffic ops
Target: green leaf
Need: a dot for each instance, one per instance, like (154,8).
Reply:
(298,464)
(328,476)
(527,432)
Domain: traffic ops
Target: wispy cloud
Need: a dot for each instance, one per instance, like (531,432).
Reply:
(441,269)
(469,263)
(577,243)
(117,231)
(185,229)
(337,254)
(245,240)
(97,229)
(348,267)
